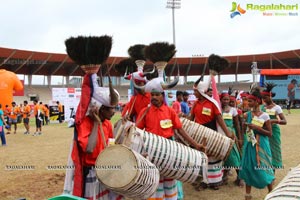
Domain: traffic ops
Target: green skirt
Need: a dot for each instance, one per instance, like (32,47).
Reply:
(275,144)
(250,172)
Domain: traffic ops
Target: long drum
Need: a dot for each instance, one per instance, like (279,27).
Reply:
(126,172)
(218,145)
(173,160)
(288,188)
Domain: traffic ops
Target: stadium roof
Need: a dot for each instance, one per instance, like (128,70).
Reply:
(44,63)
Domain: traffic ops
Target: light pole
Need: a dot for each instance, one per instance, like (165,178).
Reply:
(173,4)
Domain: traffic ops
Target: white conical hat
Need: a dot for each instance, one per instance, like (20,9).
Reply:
(101,95)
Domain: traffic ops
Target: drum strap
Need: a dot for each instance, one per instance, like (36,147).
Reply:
(101,130)
(143,151)
(142,117)
(132,105)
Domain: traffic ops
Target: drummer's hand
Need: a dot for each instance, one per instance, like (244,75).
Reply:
(145,155)
(240,143)
(201,147)
(94,110)
(126,118)
(231,136)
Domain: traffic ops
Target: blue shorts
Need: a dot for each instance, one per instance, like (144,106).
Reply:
(12,121)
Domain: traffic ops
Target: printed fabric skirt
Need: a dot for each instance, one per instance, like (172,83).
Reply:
(167,190)
(215,172)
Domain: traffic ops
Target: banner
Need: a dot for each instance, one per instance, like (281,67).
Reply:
(282,83)
(69,98)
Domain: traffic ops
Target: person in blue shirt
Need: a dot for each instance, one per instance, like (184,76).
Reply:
(184,104)
(2,123)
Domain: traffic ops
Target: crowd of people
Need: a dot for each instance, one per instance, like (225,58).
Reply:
(252,122)
(12,116)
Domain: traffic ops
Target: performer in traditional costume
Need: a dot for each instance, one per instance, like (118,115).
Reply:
(92,125)
(256,167)
(140,99)
(230,116)
(276,118)
(161,119)
(244,103)
(206,111)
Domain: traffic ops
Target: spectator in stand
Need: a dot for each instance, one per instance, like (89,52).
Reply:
(60,111)
(12,117)
(184,104)
(26,110)
(2,122)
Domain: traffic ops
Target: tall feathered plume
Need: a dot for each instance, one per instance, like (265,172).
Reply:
(217,64)
(269,86)
(89,50)
(137,52)
(160,51)
(255,90)
(125,66)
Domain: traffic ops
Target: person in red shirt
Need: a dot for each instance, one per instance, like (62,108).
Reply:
(162,120)
(93,115)
(138,101)
(206,111)
(176,105)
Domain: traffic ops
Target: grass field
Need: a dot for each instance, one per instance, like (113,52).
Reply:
(39,154)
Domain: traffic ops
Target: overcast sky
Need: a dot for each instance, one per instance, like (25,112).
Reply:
(202,26)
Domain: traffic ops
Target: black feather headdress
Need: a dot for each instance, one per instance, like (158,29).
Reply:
(268,89)
(89,50)
(255,91)
(160,51)
(125,66)
(217,64)
(137,52)
(269,86)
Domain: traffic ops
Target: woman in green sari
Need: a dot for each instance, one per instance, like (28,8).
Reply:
(230,116)
(256,166)
(276,118)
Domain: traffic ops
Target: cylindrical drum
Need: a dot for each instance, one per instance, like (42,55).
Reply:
(218,145)
(126,172)
(288,188)
(173,160)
